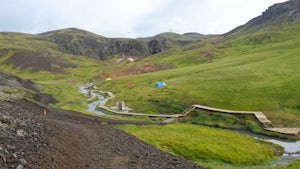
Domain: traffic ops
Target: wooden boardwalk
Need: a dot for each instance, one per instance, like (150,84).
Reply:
(290,131)
(102,106)
(268,125)
(140,114)
(259,115)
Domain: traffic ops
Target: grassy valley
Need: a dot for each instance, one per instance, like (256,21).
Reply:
(242,76)
(257,71)
(250,68)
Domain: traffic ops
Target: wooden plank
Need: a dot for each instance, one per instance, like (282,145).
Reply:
(290,131)
(259,115)
(224,110)
(140,114)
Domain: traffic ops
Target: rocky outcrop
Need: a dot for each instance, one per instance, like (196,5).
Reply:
(276,14)
(12,88)
(287,11)
(80,42)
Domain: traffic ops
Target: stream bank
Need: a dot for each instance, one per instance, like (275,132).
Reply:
(92,93)
(291,148)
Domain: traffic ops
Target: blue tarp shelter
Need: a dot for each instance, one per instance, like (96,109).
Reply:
(159,84)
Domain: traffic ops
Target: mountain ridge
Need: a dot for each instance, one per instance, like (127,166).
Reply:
(276,15)
(81,42)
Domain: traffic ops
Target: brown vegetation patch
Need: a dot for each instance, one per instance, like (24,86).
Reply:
(145,68)
(207,55)
(138,69)
(216,40)
(37,61)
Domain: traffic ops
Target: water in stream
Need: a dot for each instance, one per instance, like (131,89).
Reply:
(291,147)
(92,93)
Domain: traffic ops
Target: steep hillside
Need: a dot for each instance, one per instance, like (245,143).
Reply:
(12,88)
(32,52)
(80,42)
(276,15)
(57,51)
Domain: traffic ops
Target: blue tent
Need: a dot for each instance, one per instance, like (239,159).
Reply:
(159,84)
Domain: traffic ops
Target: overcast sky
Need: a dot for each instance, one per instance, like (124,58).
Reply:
(129,18)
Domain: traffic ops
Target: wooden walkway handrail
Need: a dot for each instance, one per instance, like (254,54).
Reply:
(259,115)
(140,114)
(268,125)
(223,110)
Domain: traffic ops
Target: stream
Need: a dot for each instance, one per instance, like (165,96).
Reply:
(92,93)
(291,147)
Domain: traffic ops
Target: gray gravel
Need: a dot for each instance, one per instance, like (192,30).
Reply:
(21,135)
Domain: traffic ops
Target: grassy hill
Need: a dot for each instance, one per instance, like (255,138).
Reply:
(258,71)
(252,70)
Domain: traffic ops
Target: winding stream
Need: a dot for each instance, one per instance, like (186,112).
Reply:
(92,93)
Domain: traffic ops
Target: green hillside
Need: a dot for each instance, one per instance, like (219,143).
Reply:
(254,71)
(258,71)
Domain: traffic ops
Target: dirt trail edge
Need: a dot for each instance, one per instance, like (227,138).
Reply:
(74,140)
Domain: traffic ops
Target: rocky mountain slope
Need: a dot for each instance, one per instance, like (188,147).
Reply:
(12,88)
(56,51)
(276,15)
(80,42)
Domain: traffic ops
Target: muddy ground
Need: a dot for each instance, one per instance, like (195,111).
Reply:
(66,139)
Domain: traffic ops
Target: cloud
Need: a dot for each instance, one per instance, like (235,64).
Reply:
(134,18)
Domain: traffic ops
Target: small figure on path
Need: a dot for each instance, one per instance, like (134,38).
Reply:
(45,111)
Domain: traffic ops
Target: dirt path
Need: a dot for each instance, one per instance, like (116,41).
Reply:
(76,140)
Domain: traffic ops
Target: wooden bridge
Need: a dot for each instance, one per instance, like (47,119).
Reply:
(170,117)
(259,115)
(121,112)
(268,125)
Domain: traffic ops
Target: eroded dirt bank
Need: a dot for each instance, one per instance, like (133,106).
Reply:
(66,139)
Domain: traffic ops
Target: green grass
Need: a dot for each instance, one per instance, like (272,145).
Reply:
(205,145)
(261,76)
(217,120)
(63,86)
(258,71)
